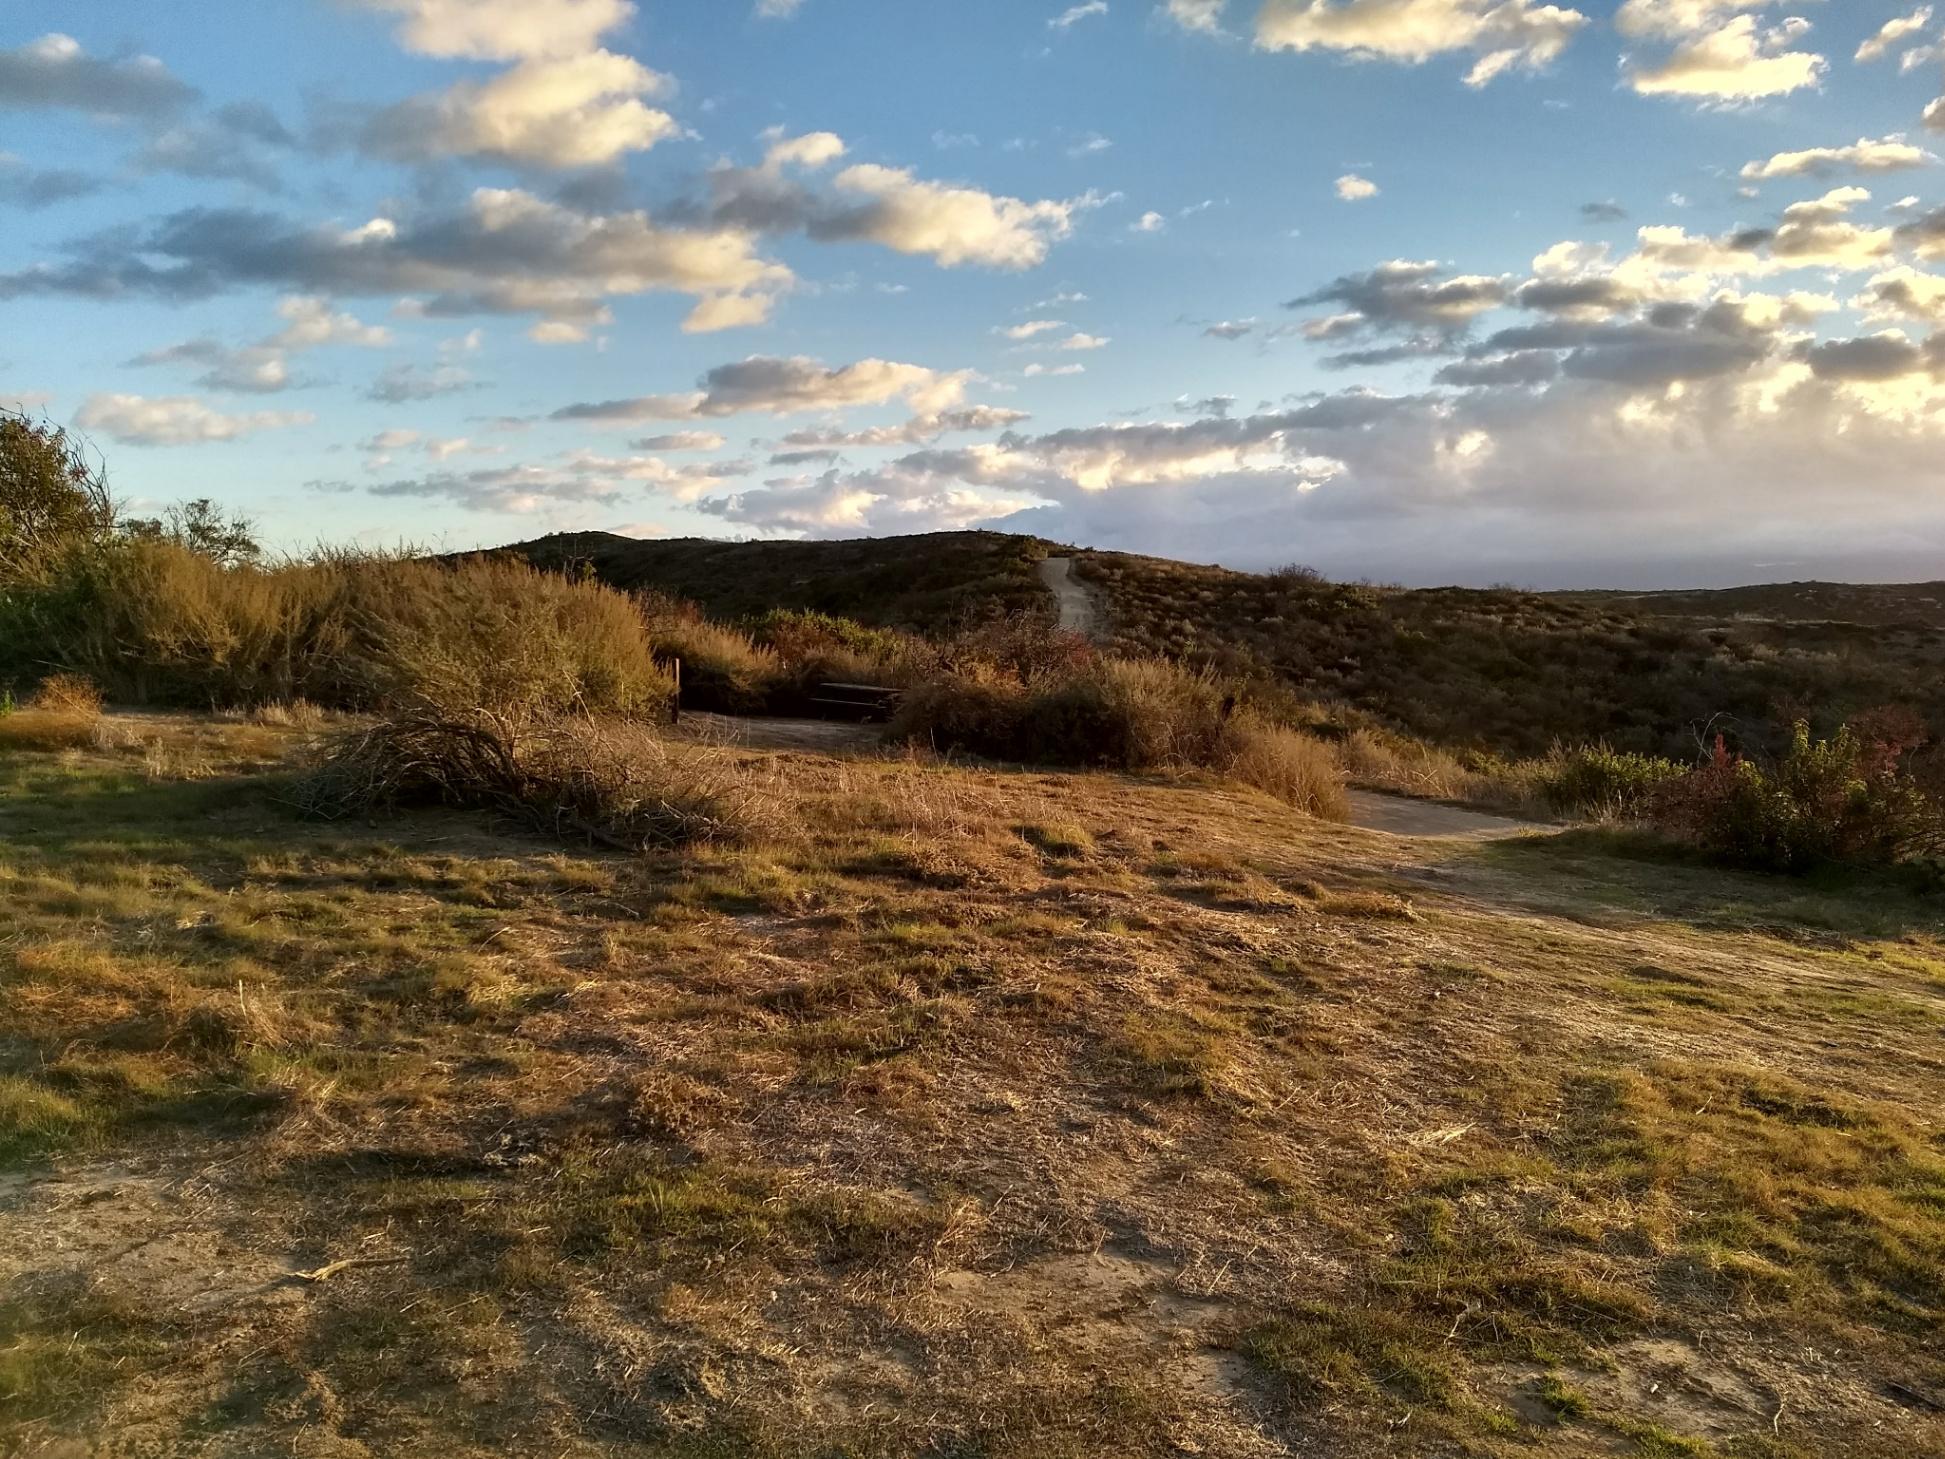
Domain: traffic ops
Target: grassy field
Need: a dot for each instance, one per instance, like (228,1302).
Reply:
(972,1113)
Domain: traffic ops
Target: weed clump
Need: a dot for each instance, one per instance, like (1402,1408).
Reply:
(610,785)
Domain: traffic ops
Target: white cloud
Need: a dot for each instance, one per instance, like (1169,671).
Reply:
(1149,223)
(1935,115)
(1231,329)
(919,430)
(1894,34)
(1738,62)
(174,420)
(503,30)
(1501,33)
(1080,342)
(773,386)
(777,9)
(952,225)
(404,383)
(1352,188)
(263,368)
(574,111)
(1201,15)
(1036,372)
(1904,293)
(1030,328)
(1072,16)
(311,322)
(1886,154)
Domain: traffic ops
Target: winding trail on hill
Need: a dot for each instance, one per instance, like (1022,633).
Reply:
(1077,610)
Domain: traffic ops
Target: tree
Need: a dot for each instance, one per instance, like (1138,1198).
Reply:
(52,496)
(204,529)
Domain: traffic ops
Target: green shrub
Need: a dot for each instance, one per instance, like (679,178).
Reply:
(1611,784)
(1844,799)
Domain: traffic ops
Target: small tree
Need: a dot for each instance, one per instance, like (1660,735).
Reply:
(52,496)
(204,529)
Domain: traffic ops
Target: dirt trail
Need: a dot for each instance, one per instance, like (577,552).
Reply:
(1077,610)
(1397,815)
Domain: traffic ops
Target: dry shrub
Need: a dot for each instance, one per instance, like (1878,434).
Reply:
(66,694)
(723,670)
(1291,766)
(64,713)
(1124,714)
(1405,767)
(612,785)
(154,623)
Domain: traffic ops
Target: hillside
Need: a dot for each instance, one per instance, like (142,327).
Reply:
(928,583)
(969,1114)
(1504,671)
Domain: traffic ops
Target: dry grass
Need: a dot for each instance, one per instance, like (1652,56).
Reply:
(602,783)
(972,1113)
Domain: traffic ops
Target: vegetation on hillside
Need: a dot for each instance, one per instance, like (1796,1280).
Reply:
(1515,673)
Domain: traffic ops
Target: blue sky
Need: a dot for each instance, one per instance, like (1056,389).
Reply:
(1441,290)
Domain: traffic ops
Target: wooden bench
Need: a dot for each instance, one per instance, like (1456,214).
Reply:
(867,703)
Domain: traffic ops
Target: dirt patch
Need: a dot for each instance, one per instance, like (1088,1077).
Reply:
(1079,612)
(1396,815)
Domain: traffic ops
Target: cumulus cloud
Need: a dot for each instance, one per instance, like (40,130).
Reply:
(502,30)
(264,368)
(573,111)
(1501,33)
(174,420)
(1904,293)
(1894,34)
(55,72)
(1935,115)
(1885,154)
(1353,189)
(1404,296)
(1199,15)
(1030,328)
(773,386)
(507,251)
(952,224)
(1741,61)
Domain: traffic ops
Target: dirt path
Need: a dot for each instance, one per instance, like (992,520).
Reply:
(1398,816)
(1077,611)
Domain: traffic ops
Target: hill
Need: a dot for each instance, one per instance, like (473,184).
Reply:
(926,583)
(1496,670)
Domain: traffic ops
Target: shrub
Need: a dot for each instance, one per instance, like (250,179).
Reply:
(1123,714)
(154,622)
(619,786)
(64,713)
(722,670)
(1844,799)
(1293,767)
(1610,784)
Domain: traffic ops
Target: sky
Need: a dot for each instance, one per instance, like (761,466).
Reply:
(1629,293)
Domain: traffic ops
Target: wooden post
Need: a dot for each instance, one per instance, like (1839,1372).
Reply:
(675,701)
